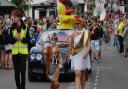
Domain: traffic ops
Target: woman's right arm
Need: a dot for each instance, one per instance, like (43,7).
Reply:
(70,46)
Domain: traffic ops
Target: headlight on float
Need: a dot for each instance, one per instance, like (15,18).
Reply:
(38,57)
(32,56)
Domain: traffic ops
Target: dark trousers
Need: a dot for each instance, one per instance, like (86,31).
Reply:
(19,62)
(120,38)
(116,42)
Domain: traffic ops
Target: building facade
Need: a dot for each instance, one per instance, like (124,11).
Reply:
(6,8)
(41,8)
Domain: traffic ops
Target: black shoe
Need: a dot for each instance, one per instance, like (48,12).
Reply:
(22,88)
(97,61)
(90,71)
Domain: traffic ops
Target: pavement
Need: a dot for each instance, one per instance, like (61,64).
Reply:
(110,73)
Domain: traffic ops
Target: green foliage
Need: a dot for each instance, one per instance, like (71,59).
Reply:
(78,10)
(23,5)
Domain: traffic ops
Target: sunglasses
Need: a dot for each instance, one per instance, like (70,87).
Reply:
(77,23)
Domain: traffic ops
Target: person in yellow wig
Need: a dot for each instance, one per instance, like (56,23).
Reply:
(66,15)
(80,47)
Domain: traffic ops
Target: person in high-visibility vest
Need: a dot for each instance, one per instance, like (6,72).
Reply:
(121,35)
(20,39)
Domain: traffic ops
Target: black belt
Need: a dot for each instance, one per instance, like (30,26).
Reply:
(55,61)
(74,54)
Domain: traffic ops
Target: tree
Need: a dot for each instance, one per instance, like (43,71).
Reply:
(22,5)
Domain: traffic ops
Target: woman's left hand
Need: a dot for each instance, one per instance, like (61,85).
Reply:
(61,66)
(85,56)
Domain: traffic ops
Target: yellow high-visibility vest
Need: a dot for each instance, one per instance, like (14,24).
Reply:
(19,47)
(120,28)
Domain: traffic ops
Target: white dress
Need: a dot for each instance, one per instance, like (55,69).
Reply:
(77,61)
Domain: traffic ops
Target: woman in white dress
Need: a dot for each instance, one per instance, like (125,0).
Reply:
(79,48)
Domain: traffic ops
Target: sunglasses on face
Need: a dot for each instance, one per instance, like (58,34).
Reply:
(77,23)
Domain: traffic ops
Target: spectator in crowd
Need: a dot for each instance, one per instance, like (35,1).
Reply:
(95,42)
(44,24)
(8,46)
(126,39)
(115,25)
(121,35)
(106,38)
(1,19)
(30,26)
(51,22)
(2,54)
(101,32)
(32,32)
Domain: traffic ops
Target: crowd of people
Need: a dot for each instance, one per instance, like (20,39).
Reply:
(119,24)
(5,46)
(35,27)
(18,35)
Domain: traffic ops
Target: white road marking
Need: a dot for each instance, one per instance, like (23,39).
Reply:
(97,73)
(98,67)
(72,85)
(95,87)
(96,80)
(98,70)
(71,88)
(89,83)
(87,86)
(107,67)
(96,84)
(97,76)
